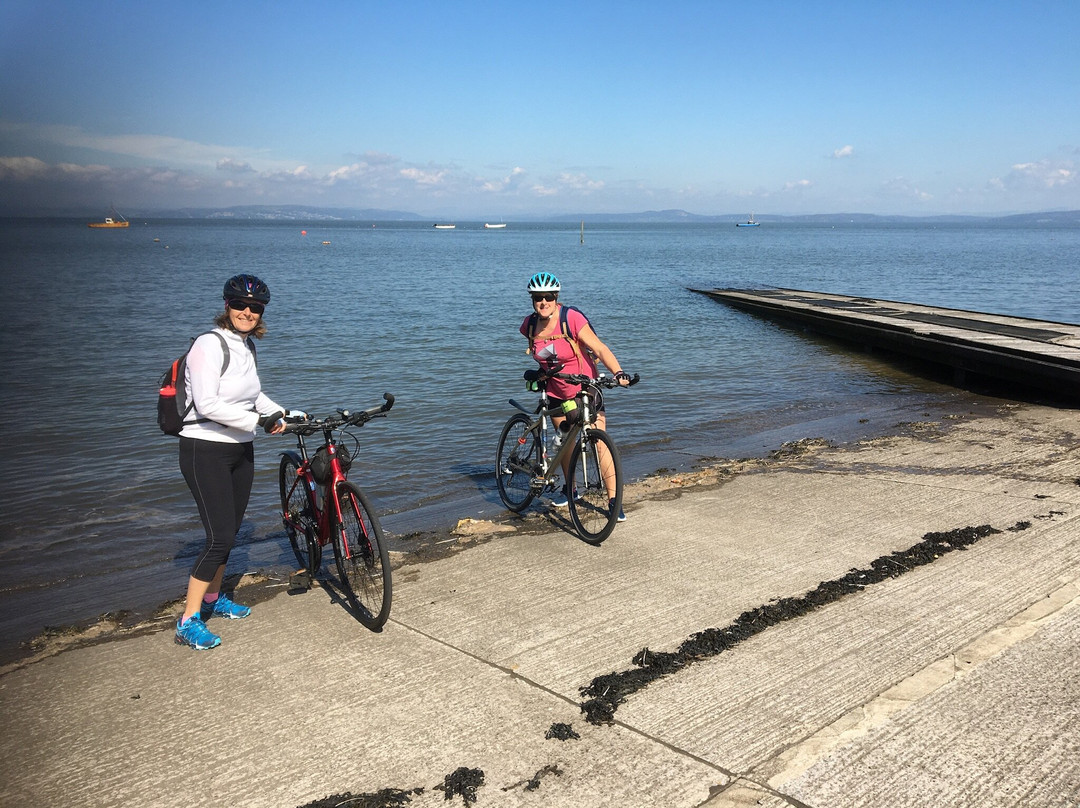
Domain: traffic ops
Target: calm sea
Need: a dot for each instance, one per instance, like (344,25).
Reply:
(97,517)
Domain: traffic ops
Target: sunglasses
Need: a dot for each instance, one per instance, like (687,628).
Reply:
(548,296)
(239,305)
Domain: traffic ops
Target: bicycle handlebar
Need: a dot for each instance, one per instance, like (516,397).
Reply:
(610,382)
(603,381)
(306,425)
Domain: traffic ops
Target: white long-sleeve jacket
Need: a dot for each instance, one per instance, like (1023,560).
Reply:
(232,401)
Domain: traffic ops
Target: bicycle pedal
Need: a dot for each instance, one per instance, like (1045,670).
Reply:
(299,582)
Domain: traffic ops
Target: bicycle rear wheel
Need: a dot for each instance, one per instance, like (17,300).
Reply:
(362,559)
(515,459)
(591,509)
(298,513)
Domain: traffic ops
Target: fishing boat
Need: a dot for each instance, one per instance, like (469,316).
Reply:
(444,226)
(748,223)
(500,226)
(114,219)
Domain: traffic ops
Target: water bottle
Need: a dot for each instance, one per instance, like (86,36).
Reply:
(560,434)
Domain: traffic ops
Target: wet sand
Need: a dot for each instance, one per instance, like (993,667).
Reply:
(891,621)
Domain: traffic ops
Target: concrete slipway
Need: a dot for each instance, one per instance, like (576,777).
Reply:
(956,683)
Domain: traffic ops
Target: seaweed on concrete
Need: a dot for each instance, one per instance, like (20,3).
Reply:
(463,782)
(605,693)
(384,798)
(561,732)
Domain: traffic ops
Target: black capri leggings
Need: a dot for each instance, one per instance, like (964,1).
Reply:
(219,476)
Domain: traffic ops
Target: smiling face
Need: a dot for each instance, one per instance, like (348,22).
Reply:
(545,304)
(244,315)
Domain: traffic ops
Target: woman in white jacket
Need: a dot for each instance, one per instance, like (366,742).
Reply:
(216,453)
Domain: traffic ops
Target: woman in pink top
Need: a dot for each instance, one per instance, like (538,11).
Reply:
(571,353)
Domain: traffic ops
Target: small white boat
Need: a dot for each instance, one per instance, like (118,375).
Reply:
(444,226)
(488,226)
(748,223)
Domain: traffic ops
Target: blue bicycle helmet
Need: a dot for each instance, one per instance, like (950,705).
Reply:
(246,287)
(544,282)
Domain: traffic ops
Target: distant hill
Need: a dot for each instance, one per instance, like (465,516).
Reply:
(289,213)
(305,213)
(1058,218)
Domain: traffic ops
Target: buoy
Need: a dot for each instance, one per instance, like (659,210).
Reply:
(303,232)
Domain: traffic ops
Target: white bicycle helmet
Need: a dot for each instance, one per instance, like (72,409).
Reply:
(544,282)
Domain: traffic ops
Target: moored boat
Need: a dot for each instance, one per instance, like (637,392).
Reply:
(444,226)
(748,223)
(488,226)
(114,219)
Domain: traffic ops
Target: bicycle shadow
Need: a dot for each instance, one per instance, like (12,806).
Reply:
(483,480)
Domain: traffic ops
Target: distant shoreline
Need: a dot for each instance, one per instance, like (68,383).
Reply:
(300,213)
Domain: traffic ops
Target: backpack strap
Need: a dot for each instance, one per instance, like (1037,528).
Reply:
(224,366)
(564,331)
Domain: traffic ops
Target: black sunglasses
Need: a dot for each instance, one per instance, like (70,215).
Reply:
(548,296)
(236,304)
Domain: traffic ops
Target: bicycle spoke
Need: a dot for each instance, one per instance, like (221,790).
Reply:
(362,559)
(596,476)
(298,514)
(514,461)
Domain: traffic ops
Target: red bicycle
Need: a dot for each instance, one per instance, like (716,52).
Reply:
(319,506)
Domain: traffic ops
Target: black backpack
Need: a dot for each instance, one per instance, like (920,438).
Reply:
(172,394)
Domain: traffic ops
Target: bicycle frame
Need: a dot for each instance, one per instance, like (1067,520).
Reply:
(328,511)
(340,514)
(577,432)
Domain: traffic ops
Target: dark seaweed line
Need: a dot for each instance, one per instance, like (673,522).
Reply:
(605,693)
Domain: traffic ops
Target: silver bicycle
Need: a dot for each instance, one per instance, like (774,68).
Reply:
(529,459)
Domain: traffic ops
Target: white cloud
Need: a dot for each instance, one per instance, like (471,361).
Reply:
(568,184)
(579,182)
(844,151)
(31,169)
(507,183)
(798,185)
(150,148)
(235,166)
(901,187)
(428,177)
(1045,174)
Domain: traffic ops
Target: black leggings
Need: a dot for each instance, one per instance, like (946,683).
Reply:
(219,476)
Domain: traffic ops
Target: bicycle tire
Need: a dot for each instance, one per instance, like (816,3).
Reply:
(362,558)
(298,513)
(515,459)
(593,517)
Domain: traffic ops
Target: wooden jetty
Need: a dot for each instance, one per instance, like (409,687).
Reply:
(1018,351)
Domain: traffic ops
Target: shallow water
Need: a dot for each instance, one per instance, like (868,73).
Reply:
(98,517)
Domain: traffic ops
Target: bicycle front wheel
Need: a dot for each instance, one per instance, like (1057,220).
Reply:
(515,459)
(362,559)
(597,483)
(298,513)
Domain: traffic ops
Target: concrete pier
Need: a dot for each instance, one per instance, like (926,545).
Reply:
(1031,354)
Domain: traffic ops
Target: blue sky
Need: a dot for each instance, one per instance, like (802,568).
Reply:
(506,110)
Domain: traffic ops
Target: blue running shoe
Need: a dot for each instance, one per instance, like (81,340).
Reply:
(611,507)
(223,607)
(559,498)
(194,632)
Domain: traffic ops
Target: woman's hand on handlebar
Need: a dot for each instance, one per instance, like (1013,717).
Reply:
(274,423)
